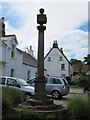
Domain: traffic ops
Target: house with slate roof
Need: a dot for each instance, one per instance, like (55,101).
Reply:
(13,61)
(57,63)
(29,65)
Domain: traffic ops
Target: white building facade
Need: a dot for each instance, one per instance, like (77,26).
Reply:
(56,63)
(14,62)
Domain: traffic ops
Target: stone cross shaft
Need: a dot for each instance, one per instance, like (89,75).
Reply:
(40,92)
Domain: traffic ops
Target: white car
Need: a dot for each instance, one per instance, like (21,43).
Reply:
(17,84)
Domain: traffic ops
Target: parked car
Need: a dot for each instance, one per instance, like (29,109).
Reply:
(57,87)
(17,83)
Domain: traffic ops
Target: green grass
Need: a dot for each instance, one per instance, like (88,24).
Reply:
(79,108)
(75,86)
(26,114)
(11,98)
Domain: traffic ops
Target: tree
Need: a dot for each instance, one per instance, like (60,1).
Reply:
(87,59)
(79,64)
(80,67)
(75,61)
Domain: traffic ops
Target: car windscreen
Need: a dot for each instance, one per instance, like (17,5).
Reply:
(31,81)
(22,82)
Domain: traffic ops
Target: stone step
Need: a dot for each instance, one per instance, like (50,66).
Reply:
(39,102)
(41,108)
(46,108)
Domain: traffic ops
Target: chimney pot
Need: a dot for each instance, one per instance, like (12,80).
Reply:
(55,44)
(30,47)
(61,49)
(2,27)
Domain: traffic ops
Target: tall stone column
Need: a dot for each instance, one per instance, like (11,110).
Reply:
(40,92)
(40,102)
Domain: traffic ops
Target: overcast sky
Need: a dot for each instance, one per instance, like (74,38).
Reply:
(67,22)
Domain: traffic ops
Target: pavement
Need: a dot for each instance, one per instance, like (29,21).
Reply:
(76,91)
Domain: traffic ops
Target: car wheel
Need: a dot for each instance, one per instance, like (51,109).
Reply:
(28,96)
(56,95)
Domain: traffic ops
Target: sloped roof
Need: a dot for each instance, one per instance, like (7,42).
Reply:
(60,52)
(86,68)
(28,59)
(75,68)
(2,43)
(14,37)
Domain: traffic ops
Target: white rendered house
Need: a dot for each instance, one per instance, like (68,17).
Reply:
(13,61)
(57,63)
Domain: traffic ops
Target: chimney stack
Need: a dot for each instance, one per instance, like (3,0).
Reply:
(30,51)
(2,27)
(61,49)
(55,44)
(30,47)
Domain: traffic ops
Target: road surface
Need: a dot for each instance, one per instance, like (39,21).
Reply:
(65,99)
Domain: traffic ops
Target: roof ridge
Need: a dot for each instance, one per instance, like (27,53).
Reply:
(59,50)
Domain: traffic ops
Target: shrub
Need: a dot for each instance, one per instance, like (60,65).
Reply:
(28,113)
(50,117)
(82,79)
(79,108)
(68,79)
(6,103)
(25,114)
(11,98)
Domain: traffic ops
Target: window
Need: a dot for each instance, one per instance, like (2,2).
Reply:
(56,81)
(49,80)
(12,51)
(22,82)
(31,81)
(12,72)
(65,81)
(60,59)
(62,75)
(12,82)
(49,58)
(28,74)
(2,81)
(62,66)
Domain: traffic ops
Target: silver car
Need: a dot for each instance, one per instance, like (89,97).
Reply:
(55,86)
(17,84)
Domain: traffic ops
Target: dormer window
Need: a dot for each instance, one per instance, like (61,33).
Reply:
(49,58)
(13,51)
(60,59)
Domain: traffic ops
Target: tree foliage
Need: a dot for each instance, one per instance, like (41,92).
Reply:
(87,59)
(75,61)
(79,64)
(79,108)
